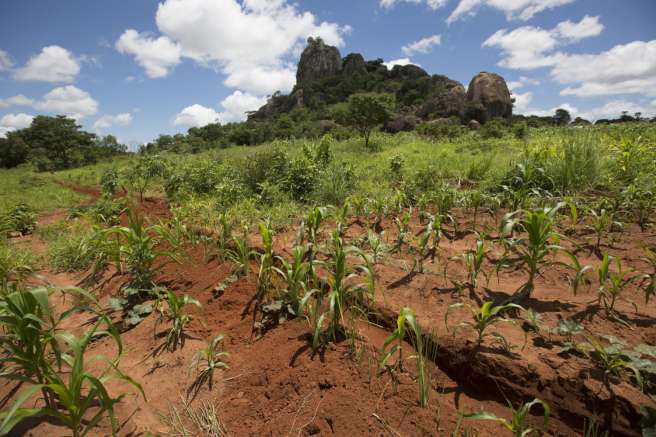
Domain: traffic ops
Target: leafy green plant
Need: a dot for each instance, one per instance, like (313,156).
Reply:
(534,320)
(516,424)
(612,362)
(15,266)
(611,283)
(534,248)
(19,218)
(179,318)
(208,359)
(483,318)
(569,328)
(407,321)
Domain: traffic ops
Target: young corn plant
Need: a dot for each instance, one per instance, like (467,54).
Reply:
(295,275)
(208,359)
(241,254)
(315,316)
(516,424)
(224,236)
(484,318)
(179,319)
(78,400)
(368,267)
(649,279)
(434,228)
(377,245)
(535,246)
(402,225)
(422,251)
(473,259)
(601,224)
(29,339)
(581,272)
(266,261)
(611,283)
(406,325)
(342,294)
(137,246)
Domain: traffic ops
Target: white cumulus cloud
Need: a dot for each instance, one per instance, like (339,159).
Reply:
(432,4)
(587,27)
(106,121)
(614,109)
(423,46)
(251,42)
(5,61)
(17,100)
(52,64)
(624,69)
(237,104)
(196,116)
(514,9)
(401,61)
(11,122)
(68,100)
(157,56)
(522,82)
(235,108)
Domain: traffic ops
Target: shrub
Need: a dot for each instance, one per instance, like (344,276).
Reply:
(20,219)
(520,131)
(302,178)
(335,183)
(493,129)
(109,181)
(441,130)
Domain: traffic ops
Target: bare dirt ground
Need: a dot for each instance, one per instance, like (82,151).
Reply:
(276,386)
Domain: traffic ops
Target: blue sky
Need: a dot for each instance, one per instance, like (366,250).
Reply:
(140,68)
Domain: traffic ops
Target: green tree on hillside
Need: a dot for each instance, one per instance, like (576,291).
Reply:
(365,111)
(562,117)
(55,143)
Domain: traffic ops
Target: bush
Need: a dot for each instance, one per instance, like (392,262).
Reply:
(73,250)
(109,181)
(441,130)
(492,129)
(302,178)
(18,219)
(335,183)
(520,131)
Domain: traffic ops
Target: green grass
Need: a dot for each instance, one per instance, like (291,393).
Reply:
(38,190)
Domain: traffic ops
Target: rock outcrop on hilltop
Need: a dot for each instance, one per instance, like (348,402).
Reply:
(490,90)
(318,61)
(354,63)
(324,78)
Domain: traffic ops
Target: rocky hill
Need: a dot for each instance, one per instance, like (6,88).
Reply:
(324,77)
